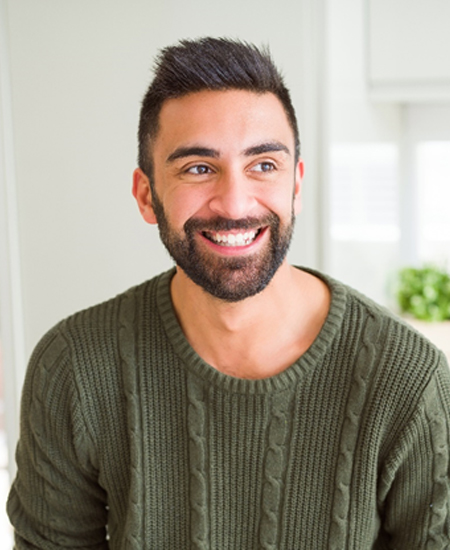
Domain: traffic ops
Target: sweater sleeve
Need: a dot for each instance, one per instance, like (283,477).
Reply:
(55,501)
(414,487)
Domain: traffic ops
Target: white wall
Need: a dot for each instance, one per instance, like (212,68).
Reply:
(78,72)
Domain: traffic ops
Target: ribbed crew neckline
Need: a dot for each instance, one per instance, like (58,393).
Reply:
(279,382)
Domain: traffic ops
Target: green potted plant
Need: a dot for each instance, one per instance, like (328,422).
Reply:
(424,293)
(424,298)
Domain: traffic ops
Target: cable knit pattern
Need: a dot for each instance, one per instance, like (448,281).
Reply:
(130,386)
(274,469)
(125,428)
(439,517)
(367,355)
(197,463)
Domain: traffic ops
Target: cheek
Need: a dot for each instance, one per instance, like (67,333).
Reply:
(185,204)
(279,201)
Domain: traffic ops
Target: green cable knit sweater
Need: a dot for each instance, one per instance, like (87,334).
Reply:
(124,425)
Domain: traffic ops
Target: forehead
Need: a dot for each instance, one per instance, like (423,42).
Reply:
(226,120)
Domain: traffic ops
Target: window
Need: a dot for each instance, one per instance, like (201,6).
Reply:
(433,197)
(364,197)
(380,223)
(364,213)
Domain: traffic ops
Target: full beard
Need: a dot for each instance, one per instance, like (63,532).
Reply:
(230,279)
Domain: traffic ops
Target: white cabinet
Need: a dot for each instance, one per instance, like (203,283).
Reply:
(408,54)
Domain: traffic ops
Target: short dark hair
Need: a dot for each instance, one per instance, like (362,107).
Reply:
(208,64)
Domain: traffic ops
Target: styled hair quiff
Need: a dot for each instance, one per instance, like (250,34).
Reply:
(208,64)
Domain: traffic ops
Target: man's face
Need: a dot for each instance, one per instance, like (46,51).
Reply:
(226,189)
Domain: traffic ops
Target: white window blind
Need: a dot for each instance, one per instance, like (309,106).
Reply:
(364,192)
(433,188)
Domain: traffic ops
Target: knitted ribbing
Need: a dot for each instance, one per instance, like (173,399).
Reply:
(347,448)
(286,379)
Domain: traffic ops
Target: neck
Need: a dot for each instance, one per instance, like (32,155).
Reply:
(195,305)
(256,337)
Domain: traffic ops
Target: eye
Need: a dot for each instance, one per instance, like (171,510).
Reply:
(199,170)
(264,167)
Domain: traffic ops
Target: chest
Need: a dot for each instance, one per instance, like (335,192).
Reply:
(234,471)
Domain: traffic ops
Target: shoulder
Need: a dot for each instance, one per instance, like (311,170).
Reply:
(88,342)
(408,378)
(80,367)
(395,360)
(102,323)
(400,345)
(393,338)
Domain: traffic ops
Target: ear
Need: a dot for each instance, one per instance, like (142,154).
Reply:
(143,195)
(299,171)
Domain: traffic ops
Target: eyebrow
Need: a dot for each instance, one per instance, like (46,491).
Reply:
(194,151)
(198,151)
(268,147)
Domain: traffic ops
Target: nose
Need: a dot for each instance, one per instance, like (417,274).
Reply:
(233,196)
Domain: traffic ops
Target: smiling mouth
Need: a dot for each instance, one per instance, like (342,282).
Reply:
(243,238)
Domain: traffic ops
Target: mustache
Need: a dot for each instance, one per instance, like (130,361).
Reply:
(225,224)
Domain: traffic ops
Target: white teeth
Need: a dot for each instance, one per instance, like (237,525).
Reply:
(239,239)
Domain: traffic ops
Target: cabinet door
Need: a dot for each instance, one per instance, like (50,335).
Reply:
(409,49)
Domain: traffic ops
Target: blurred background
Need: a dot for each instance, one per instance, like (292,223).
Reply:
(370,80)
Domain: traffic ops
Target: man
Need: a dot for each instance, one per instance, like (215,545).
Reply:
(234,402)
